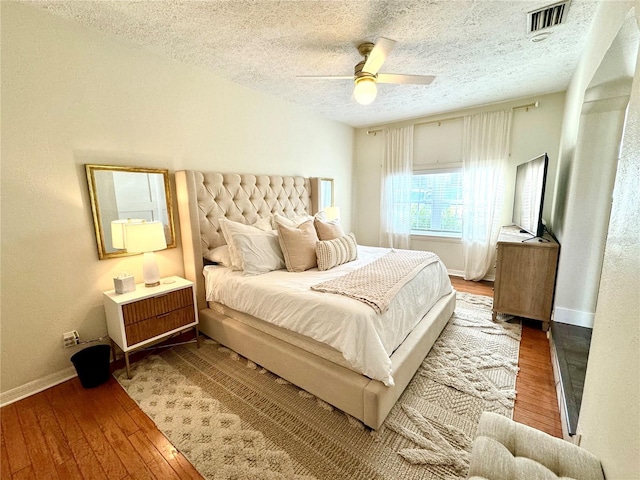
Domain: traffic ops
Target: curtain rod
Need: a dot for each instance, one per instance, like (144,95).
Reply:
(439,122)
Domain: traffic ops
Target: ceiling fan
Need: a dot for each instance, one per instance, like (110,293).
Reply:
(366,74)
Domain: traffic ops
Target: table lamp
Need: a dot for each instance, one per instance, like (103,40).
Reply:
(146,237)
(118,240)
(333,213)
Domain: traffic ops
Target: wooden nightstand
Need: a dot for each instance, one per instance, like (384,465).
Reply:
(149,314)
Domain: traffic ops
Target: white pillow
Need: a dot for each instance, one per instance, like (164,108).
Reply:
(265,224)
(220,255)
(331,253)
(260,252)
(292,222)
(230,228)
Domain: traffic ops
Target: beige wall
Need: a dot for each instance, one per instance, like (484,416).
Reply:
(72,96)
(533,132)
(610,415)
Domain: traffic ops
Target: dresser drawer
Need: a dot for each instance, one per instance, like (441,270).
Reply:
(152,327)
(150,308)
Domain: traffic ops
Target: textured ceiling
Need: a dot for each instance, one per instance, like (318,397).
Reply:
(478,50)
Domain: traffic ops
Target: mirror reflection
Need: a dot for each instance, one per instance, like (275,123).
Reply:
(128,193)
(326,193)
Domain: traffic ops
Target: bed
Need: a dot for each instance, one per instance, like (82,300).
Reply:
(319,368)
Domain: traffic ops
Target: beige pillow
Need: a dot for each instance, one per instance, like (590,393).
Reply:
(290,221)
(332,253)
(298,245)
(327,230)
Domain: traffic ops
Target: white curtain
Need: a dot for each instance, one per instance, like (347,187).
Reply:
(395,192)
(485,152)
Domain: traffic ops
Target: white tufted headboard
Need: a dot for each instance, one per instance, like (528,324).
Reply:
(205,197)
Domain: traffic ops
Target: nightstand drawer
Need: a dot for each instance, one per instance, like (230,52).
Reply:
(149,315)
(152,327)
(151,308)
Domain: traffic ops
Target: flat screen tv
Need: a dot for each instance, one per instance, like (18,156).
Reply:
(528,200)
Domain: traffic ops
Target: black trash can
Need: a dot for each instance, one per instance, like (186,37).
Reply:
(92,365)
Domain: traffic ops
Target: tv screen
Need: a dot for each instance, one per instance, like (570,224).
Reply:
(529,195)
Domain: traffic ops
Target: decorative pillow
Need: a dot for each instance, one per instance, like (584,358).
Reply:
(260,252)
(220,255)
(327,230)
(265,224)
(332,253)
(230,228)
(290,222)
(298,246)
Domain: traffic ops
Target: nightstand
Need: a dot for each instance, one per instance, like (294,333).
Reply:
(149,314)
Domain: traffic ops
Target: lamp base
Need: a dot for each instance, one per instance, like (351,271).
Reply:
(150,271)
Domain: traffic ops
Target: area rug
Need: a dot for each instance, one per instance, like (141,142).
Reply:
(235,420)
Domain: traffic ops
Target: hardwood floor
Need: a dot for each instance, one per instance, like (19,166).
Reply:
(68,432)
(536,402)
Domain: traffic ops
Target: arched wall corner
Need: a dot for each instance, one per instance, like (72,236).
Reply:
(593,171)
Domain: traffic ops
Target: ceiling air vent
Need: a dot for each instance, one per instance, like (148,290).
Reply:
(547,17)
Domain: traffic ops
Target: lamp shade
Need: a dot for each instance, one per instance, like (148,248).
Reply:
(332,213)
(118,239)
(145,237)
(365,90)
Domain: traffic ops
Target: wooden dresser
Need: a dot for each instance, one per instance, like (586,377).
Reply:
(525,275)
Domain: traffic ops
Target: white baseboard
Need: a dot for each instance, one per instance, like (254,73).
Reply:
(564,423)
(460,273)
(37,386)
(573,317)
(455,273)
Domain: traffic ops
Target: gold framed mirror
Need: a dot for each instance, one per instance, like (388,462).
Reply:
(122,193)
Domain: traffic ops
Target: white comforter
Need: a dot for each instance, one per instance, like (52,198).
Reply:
(365,338)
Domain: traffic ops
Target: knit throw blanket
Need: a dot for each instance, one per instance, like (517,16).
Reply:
(378,282)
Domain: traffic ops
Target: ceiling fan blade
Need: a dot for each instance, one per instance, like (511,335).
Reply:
(378,55)
(405,79)
(327,77)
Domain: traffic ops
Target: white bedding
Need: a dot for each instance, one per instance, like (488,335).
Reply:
(365,338)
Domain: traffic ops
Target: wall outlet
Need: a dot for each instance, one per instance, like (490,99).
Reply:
(71,339)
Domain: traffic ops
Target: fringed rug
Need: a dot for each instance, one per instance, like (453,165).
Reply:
(235,420)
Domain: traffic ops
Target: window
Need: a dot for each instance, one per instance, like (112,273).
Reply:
(436,202)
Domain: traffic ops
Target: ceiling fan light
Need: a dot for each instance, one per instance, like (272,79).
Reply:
(365,90)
